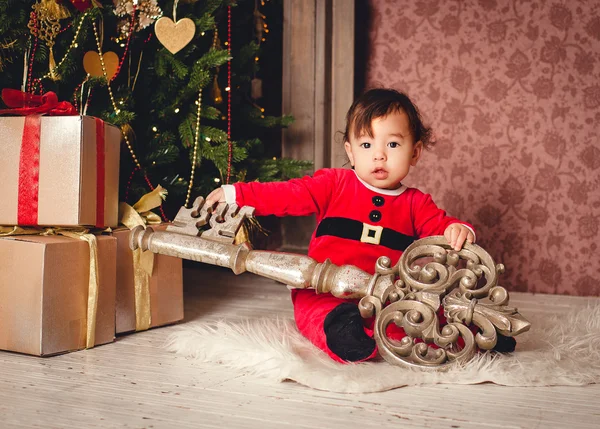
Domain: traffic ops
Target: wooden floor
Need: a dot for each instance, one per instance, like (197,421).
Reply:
(134,383)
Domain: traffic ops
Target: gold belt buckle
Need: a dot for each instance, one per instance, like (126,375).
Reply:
(371,234)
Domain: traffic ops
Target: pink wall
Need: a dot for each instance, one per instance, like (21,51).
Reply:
(512,90)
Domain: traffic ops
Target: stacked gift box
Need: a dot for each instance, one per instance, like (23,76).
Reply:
(68,279)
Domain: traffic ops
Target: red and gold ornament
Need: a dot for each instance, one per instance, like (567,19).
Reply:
(44,23)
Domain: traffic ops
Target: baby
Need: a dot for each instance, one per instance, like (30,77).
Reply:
(362,213)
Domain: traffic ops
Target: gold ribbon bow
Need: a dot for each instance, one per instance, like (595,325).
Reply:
(143,262)
(77,234)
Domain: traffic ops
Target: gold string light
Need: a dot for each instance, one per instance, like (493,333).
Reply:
(196,140)
(260,28)
(112,98)
(101,56)
(260,25)
(4,57)
(51,73)
(216,91)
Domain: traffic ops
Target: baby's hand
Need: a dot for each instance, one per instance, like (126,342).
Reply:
(216,196)
(457,233)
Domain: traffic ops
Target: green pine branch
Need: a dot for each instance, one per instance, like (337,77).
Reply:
(210,112)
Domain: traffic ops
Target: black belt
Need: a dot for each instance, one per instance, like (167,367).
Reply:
(363,232)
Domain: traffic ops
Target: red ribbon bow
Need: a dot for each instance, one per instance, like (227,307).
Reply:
(23,103)
(33,107)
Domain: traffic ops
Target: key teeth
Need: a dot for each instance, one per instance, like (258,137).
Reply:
(246,211)
(221,210)
(234,209)
(219,216)
(224,219)
(208,212)
(188,221)
(198,203)
(225,229)
(197,206)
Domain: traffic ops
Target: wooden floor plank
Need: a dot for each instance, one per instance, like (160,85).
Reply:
(135,383)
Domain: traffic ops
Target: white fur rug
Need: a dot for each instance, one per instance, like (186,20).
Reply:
(558,350)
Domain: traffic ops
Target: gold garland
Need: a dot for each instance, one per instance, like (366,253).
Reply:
(112,98)
(47,13)
(216,91)
(5,58)
(53,67)
(196,140)
(77,233)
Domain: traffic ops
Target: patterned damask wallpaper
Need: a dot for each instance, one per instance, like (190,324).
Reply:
(512,90)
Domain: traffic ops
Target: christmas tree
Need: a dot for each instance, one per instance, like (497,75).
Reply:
(182,79)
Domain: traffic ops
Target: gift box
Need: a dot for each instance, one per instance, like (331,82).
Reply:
(59,171)
(45,291)
(161,298)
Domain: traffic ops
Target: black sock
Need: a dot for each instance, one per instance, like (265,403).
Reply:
(346,337)
(505,344)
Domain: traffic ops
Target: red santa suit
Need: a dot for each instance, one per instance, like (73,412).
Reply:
(356,224)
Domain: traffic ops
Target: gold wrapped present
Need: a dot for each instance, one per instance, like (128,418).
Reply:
(149,287)
(59,171)
(57,293)
(155,303)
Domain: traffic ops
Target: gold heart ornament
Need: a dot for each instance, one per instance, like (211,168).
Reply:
(174,35)
(92,65)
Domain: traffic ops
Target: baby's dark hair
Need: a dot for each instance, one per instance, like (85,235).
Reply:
(378,103)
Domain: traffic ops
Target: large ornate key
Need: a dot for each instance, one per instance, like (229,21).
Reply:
(428,276)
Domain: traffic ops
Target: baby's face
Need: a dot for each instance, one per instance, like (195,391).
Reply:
(384,160)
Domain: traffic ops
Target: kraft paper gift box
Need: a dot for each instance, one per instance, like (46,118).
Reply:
(44,285)
(165,288)
(68,176)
